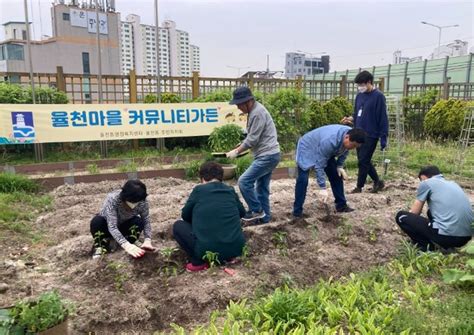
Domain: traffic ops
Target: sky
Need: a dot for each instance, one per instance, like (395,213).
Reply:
(235,34)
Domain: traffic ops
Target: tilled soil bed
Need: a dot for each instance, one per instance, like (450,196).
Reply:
(119,294)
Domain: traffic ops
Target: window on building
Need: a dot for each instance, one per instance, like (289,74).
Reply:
(3,55)
(66,17)
(15,52)
(85,63)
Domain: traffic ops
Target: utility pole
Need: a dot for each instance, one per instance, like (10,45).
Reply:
(440,29)
(103,144)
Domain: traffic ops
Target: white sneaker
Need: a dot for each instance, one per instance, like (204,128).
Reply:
(99,252)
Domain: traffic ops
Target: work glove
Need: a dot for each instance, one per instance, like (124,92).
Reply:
(147,245)
(342,173)
(323,195)
(347,120)
(383,142)
(133,250)
(232,154)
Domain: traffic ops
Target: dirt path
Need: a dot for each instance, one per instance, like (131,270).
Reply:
(121,294)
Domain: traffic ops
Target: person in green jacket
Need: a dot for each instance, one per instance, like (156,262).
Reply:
(210,220)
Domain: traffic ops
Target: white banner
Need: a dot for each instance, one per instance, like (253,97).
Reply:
(78,17)
(92,23)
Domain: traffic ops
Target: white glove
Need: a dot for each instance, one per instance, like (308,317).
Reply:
(133,250)
(342,173)
(347,120)
(323,194)
(147,245)
(232,154)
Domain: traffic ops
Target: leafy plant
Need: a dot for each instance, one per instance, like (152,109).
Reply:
(415,108)
(216,96)
(242,164)
(336,108)
(279,238)
(16,94)
(170,268)
(120,277)
(287,108)
(40,314)
(444,120)
(464,275)
(225,138)
(191,170)
(92,168)
(166,98)
(246,255)
(343,232)
(212,258)
(10,183)
(127,167)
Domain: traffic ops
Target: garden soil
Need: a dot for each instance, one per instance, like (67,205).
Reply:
(117,294)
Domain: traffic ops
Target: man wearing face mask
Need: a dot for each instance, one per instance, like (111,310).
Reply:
(261,138)
(370,114)
(124,215)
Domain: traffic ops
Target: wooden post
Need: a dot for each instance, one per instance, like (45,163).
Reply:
(250,81)
(343,87)
(382,84)
(406,82)
(195,88)
(446,88)
(132,82)
(299,83)
(60,81)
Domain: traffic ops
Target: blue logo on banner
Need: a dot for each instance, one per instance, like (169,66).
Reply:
(23,126)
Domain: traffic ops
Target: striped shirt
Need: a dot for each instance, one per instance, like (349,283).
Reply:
(115,211)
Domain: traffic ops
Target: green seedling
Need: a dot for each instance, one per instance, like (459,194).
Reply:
(343,232)
(134,233)
(212,258)
(246,255)
(100,241)
(119,277)
(170,269)
(279,238)
(92,168)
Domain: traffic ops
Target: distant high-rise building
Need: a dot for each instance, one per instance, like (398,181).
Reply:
(138,49)
(297,64)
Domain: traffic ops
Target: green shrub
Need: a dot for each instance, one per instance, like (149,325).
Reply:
(242,164)
(463,276)
(287,108)
(16,94)
(191,170)
(215,96)
(225,138)
(415,108)
(315,117)
(10,183)
(336,108)
(12,94)
(45,312)
(166,98)
(445,119)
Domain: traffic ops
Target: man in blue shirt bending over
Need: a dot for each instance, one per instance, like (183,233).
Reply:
(370,114)
(450,213)
(318,149)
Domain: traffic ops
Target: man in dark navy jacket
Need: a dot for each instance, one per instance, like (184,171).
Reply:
(370,114)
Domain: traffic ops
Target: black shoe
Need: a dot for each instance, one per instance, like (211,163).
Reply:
(356,190)
(252,216)
(345,209)
(378,186)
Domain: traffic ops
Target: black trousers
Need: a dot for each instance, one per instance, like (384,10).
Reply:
(364,157)
(183,234)
(422,233)
(130,229)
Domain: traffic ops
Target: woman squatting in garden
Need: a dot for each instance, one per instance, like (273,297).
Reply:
(124,215)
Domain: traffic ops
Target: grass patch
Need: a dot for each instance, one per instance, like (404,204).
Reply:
(405,296)
(10,182)
(19,209)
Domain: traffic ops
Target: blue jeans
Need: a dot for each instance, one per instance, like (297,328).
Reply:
(337,186)
(254,184)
